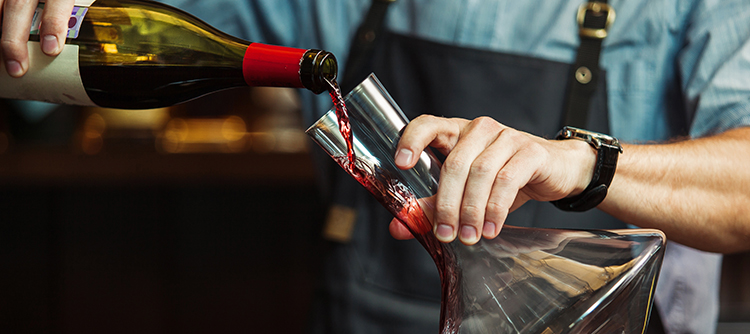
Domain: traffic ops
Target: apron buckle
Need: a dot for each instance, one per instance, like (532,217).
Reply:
(590,19)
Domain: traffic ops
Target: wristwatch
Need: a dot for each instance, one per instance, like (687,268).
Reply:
(608,150)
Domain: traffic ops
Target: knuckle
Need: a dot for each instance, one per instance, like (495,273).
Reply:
(496,208)
(485,123)
(505,176)
(480,168)
(12,48)
(471,213)
(422,118)
(484,165)
(445,209)
(497,212)
(454,166)
(513,134)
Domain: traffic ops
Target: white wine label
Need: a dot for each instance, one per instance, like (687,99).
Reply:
(74,23)
(49,79)
(80,3)
(85,3)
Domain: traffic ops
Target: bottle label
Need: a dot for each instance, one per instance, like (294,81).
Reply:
(49,79)
(273,66)
(74,23)
(79,3)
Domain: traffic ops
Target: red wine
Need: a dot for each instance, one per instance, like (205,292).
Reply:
(112,86)
(342,114)
(403,204)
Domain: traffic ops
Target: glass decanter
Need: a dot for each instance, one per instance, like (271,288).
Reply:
(526,280)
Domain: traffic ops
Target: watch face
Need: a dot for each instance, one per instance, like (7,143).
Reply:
(596,139)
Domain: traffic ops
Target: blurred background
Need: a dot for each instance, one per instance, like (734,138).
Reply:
(192,219)
(197,218)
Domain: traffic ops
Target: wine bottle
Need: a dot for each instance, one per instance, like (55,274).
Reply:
(140,54)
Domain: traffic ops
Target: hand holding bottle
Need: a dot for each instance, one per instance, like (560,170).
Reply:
(17,16)
(139,54)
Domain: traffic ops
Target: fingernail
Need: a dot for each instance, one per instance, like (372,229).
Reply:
(403,157)
(14,68)
(444,232)
(488,229)
(468,234)
(49,44)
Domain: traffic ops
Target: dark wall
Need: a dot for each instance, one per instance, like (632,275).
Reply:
(130,240)
(157,259)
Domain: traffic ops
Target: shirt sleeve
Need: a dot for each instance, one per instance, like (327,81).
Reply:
(714,66)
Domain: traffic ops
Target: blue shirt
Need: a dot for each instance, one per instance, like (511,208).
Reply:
(673,68)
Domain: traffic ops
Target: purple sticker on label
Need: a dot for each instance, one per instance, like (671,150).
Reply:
(74,24)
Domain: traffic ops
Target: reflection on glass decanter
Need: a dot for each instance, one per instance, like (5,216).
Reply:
(558,281)
(527,280)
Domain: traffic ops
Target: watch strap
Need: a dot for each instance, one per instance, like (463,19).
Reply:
(594,194)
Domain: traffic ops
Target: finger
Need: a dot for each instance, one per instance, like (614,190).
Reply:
(516,174)
(451,217)
(399,231)
(54,29)
(17,15)
(480,182)
(425,130)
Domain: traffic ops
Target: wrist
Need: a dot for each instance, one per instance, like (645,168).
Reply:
(584,159)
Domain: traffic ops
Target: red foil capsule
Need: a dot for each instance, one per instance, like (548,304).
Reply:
(270,65)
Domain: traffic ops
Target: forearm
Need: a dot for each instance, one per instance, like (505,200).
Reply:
(696,191)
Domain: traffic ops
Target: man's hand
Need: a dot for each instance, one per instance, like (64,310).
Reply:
(490,170)
(16,19)
(694,190)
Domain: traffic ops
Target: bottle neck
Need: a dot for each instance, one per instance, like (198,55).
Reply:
(318,71)
(278,66)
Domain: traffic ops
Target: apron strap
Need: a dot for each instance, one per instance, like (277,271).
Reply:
(358,63)
(594,19)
